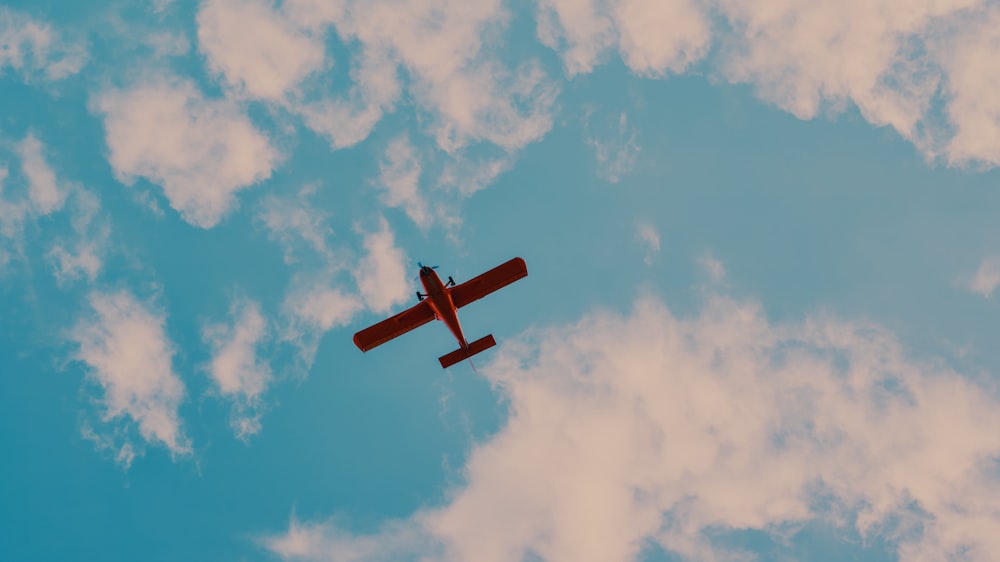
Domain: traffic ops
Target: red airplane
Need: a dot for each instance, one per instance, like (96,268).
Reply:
(441,301)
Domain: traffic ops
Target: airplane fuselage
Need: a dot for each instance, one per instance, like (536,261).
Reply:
(441,301)
(439,298)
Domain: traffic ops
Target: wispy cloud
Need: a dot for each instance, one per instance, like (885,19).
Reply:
(30,47)
(324,298)
(201,151)
(128,354)
(348,119)
(649,427)
(381,274)
(986,278)
(11,218)
(614,146)
(239,373)
(38,192)
(314,305)
(45,195)
(399,178)
(14,211)
(82,257)
(402,541)
(296,223)
(712,267)
(649,237)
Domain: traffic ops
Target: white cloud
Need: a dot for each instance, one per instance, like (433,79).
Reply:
(348,120)
(128,354)
(470,96)
(319,301)
(201,151)
(439,51)
(653,36)
(255,48)
(381,274)
(917,66)
(905,60)
(987,277)
(657,36)
(628,429)
(236,369)
(801,54)
(578,28)
(324,307)
(969,57)
(399,178)
(488,102)
(45,195)
(27,46)
(922,67)
(277,68)
(649,237)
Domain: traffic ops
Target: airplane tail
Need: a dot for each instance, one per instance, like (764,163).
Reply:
(460,354)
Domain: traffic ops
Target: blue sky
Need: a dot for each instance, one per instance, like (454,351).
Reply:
(760,321)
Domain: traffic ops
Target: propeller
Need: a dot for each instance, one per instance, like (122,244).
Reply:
(421,266)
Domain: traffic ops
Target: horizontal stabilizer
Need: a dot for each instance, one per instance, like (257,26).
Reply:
(460,354)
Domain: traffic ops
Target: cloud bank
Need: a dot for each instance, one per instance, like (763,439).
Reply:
(648,428)
(924,67)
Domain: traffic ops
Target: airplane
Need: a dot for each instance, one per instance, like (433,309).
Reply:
(441,301)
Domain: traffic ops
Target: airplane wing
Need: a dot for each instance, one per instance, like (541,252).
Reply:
(496,278)
(394,327)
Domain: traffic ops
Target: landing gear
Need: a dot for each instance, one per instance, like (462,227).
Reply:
(451,282)
(420,297)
